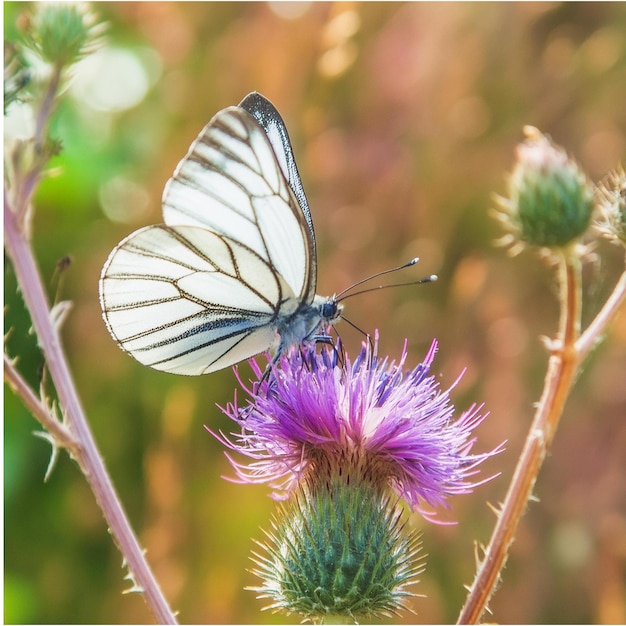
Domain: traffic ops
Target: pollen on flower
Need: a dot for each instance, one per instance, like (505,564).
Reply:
(371,420)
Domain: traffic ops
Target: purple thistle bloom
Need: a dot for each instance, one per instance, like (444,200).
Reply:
(313,418)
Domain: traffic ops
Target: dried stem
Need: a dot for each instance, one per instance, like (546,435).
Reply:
(85,452)
(562,368)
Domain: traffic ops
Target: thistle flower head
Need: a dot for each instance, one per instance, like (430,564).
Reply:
(340,437)
(338,554)
(389,426)
(550,201)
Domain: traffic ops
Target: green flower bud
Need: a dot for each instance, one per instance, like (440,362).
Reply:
(340,553)
(550,200)
(61,33)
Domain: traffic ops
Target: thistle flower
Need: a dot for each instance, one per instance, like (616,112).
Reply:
(341,437)
(315,416)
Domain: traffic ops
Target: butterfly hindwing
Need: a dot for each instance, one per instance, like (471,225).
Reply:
(187,300)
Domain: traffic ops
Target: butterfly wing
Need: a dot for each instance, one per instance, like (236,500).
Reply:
(238,180)
(265,113)
(186,300)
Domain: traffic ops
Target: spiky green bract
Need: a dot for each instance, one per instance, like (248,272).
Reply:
(61,33)
(550,201)
(339,550)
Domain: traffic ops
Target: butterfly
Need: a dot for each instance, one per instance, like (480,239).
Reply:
(232,271)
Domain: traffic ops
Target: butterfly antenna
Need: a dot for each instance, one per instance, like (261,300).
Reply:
(364,280)
(428,279)
(360,330)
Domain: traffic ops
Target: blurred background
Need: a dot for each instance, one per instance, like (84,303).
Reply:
(404,119)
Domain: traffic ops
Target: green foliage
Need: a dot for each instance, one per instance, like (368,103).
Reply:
(16,75)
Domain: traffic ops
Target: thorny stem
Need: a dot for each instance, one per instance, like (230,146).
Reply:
(38,408)
(567,353)
(85,453)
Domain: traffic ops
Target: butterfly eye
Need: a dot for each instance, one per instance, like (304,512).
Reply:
(330,310)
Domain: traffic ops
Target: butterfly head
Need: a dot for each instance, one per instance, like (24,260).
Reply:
(329,309)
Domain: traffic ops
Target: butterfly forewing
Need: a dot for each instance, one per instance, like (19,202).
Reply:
(265,113)
(232,183)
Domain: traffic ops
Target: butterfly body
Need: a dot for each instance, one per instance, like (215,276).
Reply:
(232,271)
(307,321)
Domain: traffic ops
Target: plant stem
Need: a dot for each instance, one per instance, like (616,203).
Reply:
(45,110)
(86,453)
(25,190)
(37,407)
(562,369)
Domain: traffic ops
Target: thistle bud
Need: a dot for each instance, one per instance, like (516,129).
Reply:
(550,201)
(62,33)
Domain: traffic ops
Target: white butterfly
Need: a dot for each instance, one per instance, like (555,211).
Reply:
(232,272)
